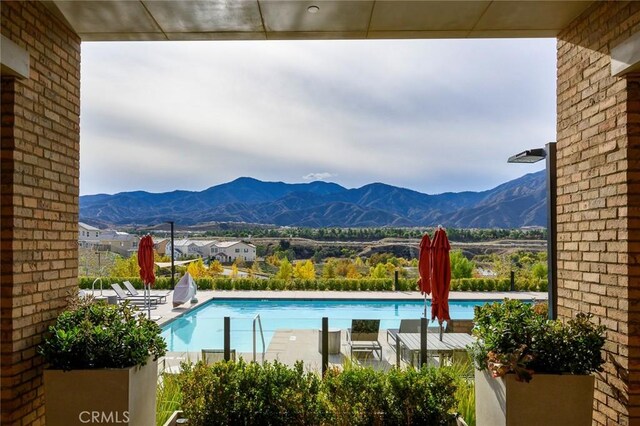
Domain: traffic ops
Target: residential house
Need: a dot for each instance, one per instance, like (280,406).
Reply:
(88,236)
(228,251)
(123,243)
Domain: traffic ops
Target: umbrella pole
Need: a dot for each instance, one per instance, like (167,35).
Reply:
(425,305)
(148,300)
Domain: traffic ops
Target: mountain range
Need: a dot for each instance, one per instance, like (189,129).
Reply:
(517,203)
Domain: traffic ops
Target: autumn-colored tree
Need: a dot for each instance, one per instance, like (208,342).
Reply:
(286,270)
(358,262)
(305,270)
(352,272)
(329,269)
(215,268)
(197,269)
(158,258)
(125,267)
(234,271)
(273,260)
(255,269)
(378,271)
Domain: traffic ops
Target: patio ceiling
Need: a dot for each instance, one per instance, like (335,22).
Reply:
(293,19)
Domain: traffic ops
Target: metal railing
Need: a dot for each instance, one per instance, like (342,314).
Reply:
(264,348)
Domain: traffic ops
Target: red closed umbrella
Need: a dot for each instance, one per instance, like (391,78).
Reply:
(440,276)
(424,265)
(145,262)
(424,269)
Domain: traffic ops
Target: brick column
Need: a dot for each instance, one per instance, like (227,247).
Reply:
(39,199)
(598,188)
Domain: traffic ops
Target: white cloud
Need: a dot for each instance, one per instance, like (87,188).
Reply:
(318,176)
(430,115)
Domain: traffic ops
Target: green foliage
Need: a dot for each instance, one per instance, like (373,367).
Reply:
(496,284)
(168,397)
(379,271)
(515,337)
(125,267)
(96,335)
(228,393)
(304,270)
(377,233)
(286,270)
(355,396)
(421,397)
(274,394)
(461,267)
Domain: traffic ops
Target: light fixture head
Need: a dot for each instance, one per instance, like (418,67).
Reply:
(528,156)
(313,9)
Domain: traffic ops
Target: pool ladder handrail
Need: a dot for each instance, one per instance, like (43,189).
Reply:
(264,349)
(93,285)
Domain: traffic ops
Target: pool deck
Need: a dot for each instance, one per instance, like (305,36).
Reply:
(290,345)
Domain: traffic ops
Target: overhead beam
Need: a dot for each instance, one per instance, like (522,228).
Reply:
(14,59)
(625,57)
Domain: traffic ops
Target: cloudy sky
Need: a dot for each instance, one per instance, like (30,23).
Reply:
(429,115)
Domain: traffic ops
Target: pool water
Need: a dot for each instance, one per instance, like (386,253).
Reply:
(203,327)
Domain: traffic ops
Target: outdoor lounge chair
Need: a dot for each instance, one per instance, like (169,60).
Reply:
(459,326)
(160,298)
(363,336)
(122,296)
(407,326)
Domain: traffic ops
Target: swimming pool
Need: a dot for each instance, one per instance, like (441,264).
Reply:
(203,326)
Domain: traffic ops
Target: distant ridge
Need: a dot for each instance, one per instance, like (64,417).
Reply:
(517,203)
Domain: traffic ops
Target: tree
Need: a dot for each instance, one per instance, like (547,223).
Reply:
(329,269)
(286,270)
(378,271)
(461,267)
(215,268)
(255,269)
(305,270)
(352,272)
(125,267)
(234,271)
(197,269)
(539,271)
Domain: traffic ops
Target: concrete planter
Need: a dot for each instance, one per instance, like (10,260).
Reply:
(103,396)
(548,399)
(173,420)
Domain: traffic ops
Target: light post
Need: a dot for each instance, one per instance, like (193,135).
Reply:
(533,156)
(173,267)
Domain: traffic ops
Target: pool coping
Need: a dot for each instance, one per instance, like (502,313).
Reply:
(204,296)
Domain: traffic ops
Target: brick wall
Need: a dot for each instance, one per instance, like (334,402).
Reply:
(39,200)
(598,232)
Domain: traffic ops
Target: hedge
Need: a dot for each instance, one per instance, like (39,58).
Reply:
(322,284)
(274,394)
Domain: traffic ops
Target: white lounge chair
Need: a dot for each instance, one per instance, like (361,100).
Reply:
(160,298)
(122,296)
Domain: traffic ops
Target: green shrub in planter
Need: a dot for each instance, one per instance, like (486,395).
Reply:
(515,337)
(97,335)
